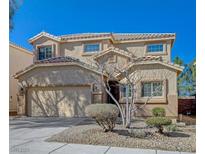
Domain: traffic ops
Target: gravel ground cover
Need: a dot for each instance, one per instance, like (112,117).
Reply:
(183,139)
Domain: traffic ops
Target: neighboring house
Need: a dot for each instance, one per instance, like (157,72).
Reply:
(19,58)
(63,79)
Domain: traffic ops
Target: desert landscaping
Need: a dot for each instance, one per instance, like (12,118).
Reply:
(138,136)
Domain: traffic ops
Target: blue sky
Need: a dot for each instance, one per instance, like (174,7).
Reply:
(123,16)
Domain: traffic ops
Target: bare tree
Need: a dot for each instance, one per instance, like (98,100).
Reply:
(128,80)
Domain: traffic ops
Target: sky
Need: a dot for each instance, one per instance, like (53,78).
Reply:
(60,17)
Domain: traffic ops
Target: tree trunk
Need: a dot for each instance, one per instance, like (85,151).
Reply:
(118,105)
(127,106)
(160,129)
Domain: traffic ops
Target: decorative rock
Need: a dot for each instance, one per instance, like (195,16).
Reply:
(139,133)
(181,124)
(174,121)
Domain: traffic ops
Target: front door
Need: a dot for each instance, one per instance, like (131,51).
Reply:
(114,91)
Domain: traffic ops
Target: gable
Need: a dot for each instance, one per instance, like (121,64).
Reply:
(59,75)
(112,50)
(44,41)
(113,58)
(43,35)
(56,63)
(153,66)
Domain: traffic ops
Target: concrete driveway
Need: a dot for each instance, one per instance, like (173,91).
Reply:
(27,135)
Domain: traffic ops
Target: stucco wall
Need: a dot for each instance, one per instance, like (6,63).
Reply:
(76,49)
(18,60)
(169,99)
(60,75)
(140,49)
(122,61)
(137,49)
(63,76)
(68,76)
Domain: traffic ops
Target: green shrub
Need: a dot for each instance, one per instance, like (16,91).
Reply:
(158,122)
(104,114)
(158,112)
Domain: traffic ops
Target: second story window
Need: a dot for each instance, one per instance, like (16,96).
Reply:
(92,47)
(45,52)
(155,48)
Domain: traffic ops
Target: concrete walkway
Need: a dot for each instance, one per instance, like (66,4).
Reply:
(40,147)
(27,137)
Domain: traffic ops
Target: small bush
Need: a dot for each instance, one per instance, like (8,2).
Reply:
(104,114)
(158,122)
(158,112)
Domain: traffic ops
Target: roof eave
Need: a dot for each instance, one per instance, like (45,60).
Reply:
(143,40)
(33,66)
(178,69)
(85,39)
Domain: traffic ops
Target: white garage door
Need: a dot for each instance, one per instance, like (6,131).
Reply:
(58,101)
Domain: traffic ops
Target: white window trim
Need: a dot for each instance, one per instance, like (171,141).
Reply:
(163,89)
(164,52)
(40,46)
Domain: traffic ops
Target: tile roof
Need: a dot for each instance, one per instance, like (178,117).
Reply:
(118,36)
(147,58)
(139,36)
(153,59)
(72,60)
(67,59)
(150,60)
(84,36)
(59,60)
(112,36)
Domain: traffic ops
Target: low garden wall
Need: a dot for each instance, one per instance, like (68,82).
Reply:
(187,105)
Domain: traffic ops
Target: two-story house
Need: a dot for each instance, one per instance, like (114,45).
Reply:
(62,81)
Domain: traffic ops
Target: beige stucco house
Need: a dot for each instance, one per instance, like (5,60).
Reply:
(63,79)
(19,58)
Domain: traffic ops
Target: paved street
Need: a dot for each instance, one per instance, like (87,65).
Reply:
(27,136)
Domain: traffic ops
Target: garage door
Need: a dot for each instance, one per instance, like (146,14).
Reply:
(58,101)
